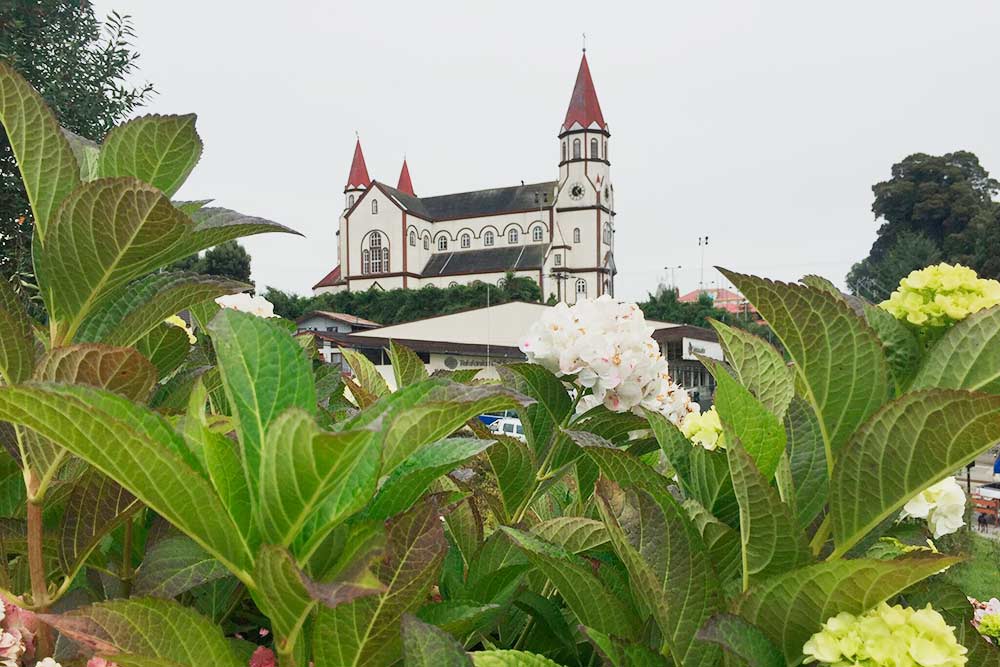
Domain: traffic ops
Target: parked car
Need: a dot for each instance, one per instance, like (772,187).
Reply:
(511,426)
(490,417)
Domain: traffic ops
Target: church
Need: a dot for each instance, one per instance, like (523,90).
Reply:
(559,233)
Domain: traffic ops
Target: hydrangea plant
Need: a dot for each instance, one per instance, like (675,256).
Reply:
(233,501)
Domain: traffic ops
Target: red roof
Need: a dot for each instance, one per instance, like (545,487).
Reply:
(405,184)
(583,106)
(330,279)
(358,177)
(721,298)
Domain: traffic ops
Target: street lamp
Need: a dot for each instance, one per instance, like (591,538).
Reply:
(702,243)
(673,277)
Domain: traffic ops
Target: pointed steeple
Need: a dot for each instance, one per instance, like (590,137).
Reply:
(405,184)
(358,177)
(583,105)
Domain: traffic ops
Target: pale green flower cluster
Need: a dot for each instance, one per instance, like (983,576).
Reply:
(941,295)
(886,637)
(704,429)
(989,626)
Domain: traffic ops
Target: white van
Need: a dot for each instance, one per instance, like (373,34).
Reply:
(511,426)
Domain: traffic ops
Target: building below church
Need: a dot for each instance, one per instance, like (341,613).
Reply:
(559,233)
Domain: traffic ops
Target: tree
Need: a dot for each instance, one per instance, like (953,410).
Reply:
(229,260)
(934,208)
(79,66)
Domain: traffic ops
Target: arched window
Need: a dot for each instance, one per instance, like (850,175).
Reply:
(564,151)
(576,235)
(385,260)
(594,149)
(512,236)
(442,242)
(536,234)
(487,238)
(581,289)
(607,234)
(576,149)
(374,206)
(466,241)
(605,150)
(558,259)
(453,284)
(427,241)
(502,283)
(350,201)
(366,261)
(375,258)
(413,238)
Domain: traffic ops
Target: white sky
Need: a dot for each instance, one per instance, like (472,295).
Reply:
(762,124)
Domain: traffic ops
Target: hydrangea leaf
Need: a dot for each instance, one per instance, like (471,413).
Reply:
(593,602)
(576,534)
(902,350)
(621,467)
(551,407)
(510,659)
(913,442)
(86,153)
(367,631)
(406,365)
(458,617)
(134,447)
(145,303)
(366,374)
(159,150)
(722,542)
(772,542)
(95,507)
(837,355)
(758,366)
(151,631)
(713,486)
(742,641)
(426,646)
(215,225)
(48,169)
(264,372)
(807,461)
(660,547)
(513,465)
(675,447)
(166,346)
(966,357)
(17,345)
(174,565)
(789,608)
(617,653)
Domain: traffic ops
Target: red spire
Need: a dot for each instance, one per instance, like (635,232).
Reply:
(359,172)
(583,106)
(405,184)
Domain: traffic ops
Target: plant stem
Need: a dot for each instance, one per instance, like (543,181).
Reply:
(822,533)
(126,571)
(36,564)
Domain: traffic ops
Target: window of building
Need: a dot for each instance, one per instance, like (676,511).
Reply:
(385,260)
(512,236)
(502,283)
(375,258)
(558,260)
(453,284)
(427,242)
(607,234)
(413,238)
(576,235)
(564,151)
(374,206)
(594,150)
(576,149)
(605,150)
(442,242)
(581,288)
(350,201)
(466,241)
(366,261)
(536,234)
(487,238)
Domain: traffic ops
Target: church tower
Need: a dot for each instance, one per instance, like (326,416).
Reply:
(358,180)
(583,143)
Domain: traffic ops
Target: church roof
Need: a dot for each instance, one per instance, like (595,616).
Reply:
(479,202)
(405,184)
(358,178)
(330,279)
(583,105)
(486,260)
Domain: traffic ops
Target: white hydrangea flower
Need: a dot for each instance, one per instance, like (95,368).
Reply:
(942,505)
(47,662)
(245,303)
(606,344)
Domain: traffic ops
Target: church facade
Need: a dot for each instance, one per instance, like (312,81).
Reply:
(559,233)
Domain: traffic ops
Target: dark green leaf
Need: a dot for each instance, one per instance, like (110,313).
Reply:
(406,365)
(17,345)
(741,640)
(95,507)
(426,646)
(758,367)
(174,565)
(966,357)
(160,150)
(807,461)
(902,350)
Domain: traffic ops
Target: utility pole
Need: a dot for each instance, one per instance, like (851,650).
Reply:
(702,243)
(673,277)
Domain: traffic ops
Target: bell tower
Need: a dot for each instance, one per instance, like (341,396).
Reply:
(358,180)
(584,167)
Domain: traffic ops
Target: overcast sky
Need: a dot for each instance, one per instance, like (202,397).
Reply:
(762,124)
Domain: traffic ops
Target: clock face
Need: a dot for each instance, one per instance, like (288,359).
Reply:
(576,191)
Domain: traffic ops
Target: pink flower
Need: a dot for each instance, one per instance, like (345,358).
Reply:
(263,657)
(23,624)
(11,649)
(100,662)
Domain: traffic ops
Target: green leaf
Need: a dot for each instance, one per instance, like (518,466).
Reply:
(913,442)
(675,447)
(225,471)
(791,607)
(513,465)
(458,617)
(406,365)
(161,632)
(121,370)
(807,461)
(746,420)
(660,547)
(303,469)
(741,640)
(837,355)
(86,153)
(713,485)
(772,542)
(617,653)
(410,480)
(214,225)
(426,646)
(966,357)
(510,659)
(142,305)
(367,375)
(159,150)
(723,543)
(902,349)
(621,467)
(758,367)
(367,631)
(106,234)
(166,346)
(575,534)
(174,565)
(17,345)
(95,507)
(48,169)
(552,403)
(264,372)
(132,446)
(595,604)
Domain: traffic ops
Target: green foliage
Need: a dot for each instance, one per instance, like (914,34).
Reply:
(226,260)
(665,307)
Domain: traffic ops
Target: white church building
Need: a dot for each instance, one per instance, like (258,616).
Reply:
(559,233)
